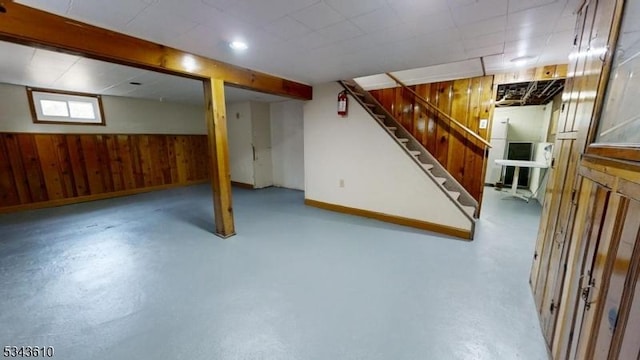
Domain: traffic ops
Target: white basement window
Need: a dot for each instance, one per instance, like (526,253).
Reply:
(56,107)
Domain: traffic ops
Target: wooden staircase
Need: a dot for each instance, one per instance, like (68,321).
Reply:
(423,158)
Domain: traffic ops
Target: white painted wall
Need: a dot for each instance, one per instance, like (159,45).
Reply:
(239,130)
(261,133)
(122,116)
(287,144)
(378,175)
(526,123)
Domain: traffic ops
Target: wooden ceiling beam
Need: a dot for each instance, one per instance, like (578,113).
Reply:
(29,26)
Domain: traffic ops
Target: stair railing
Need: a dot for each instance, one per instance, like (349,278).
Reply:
(440,112)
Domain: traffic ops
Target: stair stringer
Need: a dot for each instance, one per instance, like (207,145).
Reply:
(379,177)
(435,171)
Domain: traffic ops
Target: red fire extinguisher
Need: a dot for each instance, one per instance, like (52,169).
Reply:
(343,103)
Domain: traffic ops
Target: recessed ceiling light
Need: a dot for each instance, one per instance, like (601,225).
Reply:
(238,45)
(522,60)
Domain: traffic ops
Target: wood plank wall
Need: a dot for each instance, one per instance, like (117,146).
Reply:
(466,100)
(41,168)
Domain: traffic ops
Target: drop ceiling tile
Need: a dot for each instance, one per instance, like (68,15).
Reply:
(434,22)
(478,42)
(378,19)
(257,13)
(196,11)
(352,8)
(356,44)
(477,11)
(54,60)
(145,25)
(340,31)
(530,31)
(57,7)
(440,37)
(15,55)
(519,5)
(485,51)
(534,16)
(218,4)
(416,9)
(532,46)
(449,71)
(312,40)
(483,27)
(42,76)
(287,28)
(392,34)
(104,14)
(318,16)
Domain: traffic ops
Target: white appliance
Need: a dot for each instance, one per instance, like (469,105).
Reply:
(498,142)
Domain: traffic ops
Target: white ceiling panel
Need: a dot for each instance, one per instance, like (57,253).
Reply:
(485,51)
(483,41)
(478,11)
(317,41)
(352,8)
(146,24)
(380,18)
(105,14)
(516,5)
(287,27)
(436,22)
(430,74)
(483,27)
(318,16)
(196,11)
(537,15)
(56,7)
(341,31)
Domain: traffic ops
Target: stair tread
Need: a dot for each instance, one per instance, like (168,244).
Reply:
(454,194)
(403,140)
(427,166)
(469,209)
(441,180)
(414,152)
(392,128)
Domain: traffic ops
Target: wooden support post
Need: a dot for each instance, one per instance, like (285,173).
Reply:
(219,157)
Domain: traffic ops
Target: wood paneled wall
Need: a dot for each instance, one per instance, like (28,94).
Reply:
(42,168)
(466,100)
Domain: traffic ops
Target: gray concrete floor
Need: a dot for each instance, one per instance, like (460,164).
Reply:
(142,277)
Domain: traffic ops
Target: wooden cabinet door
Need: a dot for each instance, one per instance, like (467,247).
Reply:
(605,310)
(550,285)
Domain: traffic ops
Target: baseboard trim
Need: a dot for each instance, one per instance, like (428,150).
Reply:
(393,219)
(242,185)
(86,198)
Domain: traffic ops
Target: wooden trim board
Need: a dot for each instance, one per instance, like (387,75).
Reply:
(80,199)
(393,219)
(242,185)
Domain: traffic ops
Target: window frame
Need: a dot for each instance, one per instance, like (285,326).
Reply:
(59,95)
